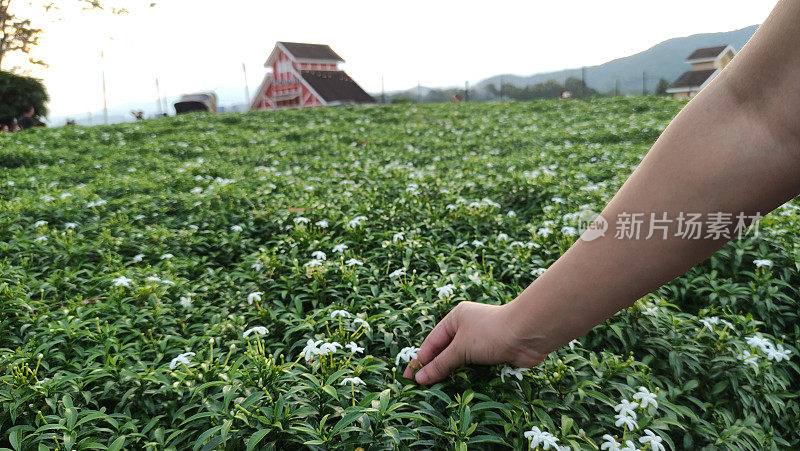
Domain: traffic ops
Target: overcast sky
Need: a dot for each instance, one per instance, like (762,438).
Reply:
(193,45)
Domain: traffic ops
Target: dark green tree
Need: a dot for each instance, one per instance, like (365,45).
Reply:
(19,94)
(662,87)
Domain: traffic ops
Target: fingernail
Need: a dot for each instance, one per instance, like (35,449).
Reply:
(421,377)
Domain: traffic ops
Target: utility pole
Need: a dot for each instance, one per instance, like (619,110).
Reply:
(644,86)
(246,88)
(158,99)
(501,89)
(383,91)
(466,91)
(105,106)
(583,82)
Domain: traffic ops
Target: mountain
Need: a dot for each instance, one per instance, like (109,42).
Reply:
(662,60)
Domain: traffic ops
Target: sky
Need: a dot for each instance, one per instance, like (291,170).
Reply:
(194,45)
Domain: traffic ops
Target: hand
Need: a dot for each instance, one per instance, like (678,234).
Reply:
(471,333)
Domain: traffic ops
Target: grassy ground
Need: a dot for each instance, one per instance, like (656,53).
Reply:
(134,259)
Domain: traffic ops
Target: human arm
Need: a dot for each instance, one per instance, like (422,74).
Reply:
(734,148)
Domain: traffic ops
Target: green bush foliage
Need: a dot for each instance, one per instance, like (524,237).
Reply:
(256,281)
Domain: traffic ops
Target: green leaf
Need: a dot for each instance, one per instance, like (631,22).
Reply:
(255,438)
(117,444)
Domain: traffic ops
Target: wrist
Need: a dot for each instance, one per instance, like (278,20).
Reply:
(527,342)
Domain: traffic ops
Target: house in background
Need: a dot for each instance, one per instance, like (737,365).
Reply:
(306,75)
(706,64)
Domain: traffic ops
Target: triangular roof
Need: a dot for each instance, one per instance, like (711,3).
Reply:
(302,51)
(692,80)
(708,53)
(335,86)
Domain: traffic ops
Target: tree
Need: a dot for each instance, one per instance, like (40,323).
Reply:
(19,35)
(19,94)
(662,87)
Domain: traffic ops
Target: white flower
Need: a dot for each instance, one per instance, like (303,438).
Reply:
(502,237)
(610,443)
(186,301)
(47,198)
(40,223)
(137,258)
(543,438)
(762,262)
(339,248)
(343,313)
(748,359)
(445,291)
(322,224)
(511,213)
(182,358)
(626,408)
(71,225)
(759,342)
(572,344)
(301,220)
(319,255)
(313,263)
(569,231)
(122,281)
(354,348)
(362,322)
(166,256)
(477,243)
(645,398)
(65,195)
(626,420)
(236,228)
(397,237)
(355,222)
(510,371)
(778,353)
(406,354)
(538,271)
(709,322)
(311,349)
(352,380)
(261,330)
(96,203)
(544,231)
(196,190)
(475,278)
(153,279)
(328,347)
(254,296)
(354,261)
(629,446)
(40,239)
(397,272)
(653,439)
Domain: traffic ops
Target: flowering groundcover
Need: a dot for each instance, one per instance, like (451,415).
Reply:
(258,281)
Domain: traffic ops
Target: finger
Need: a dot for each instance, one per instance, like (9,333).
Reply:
(442,365)
(441,336)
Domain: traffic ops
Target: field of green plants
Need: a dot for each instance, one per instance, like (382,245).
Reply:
(259,281)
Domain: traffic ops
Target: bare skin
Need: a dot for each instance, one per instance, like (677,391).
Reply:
(734,148)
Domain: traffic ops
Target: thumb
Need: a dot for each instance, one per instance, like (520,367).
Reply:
(444,363)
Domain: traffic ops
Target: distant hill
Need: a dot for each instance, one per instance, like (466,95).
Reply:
(662,60)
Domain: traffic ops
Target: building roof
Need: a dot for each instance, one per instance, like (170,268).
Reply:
(692,78)
(310,51)
(335,86)
(707,52)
